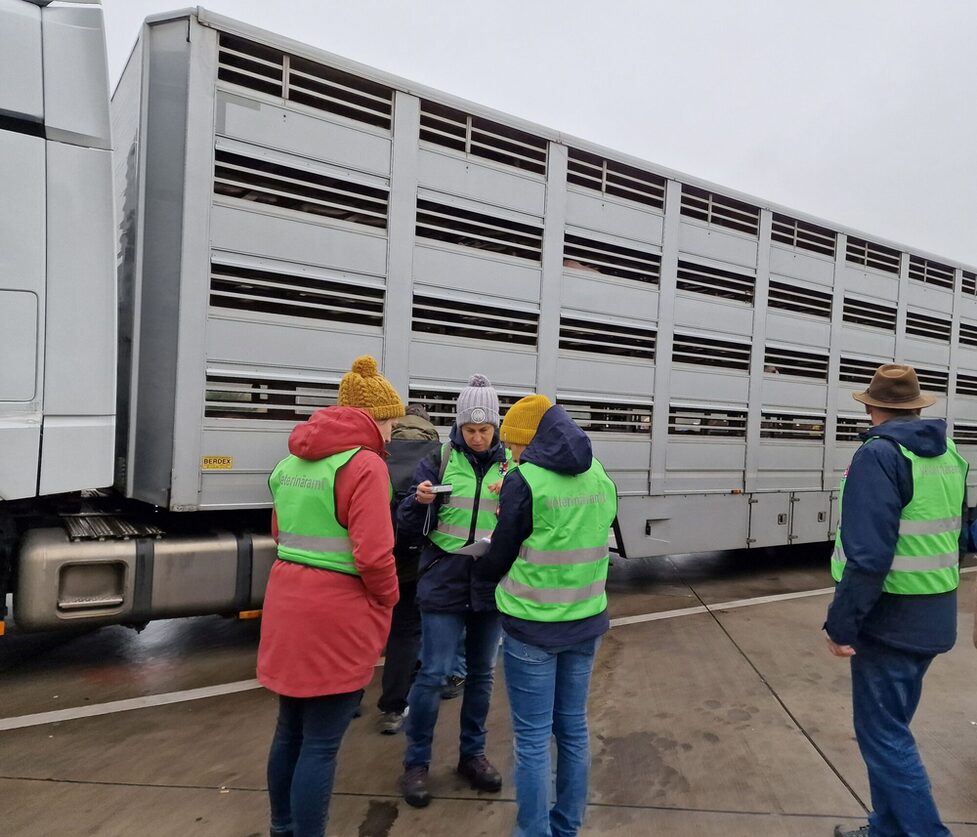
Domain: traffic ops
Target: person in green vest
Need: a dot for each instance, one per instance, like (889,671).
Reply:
(896,564)
(548,566)
(472,463)
(330,593)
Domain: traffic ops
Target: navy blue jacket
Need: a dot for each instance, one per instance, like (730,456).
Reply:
(879,485)
(559,445)
(444,582)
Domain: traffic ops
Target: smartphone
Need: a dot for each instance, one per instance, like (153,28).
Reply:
(441,489)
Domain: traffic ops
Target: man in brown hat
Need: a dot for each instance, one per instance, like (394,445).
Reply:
(896,561)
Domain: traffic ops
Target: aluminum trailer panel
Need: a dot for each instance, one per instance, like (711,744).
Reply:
(296,209)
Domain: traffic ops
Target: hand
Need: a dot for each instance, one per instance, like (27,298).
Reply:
(495,487)
(839,650)
(424,495)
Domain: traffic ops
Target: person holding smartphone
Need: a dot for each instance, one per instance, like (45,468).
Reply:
(453,503)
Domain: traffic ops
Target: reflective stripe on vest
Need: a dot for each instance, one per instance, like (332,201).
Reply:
(309,543)
(309,533)
(927,553)
(462,509)
(561,571)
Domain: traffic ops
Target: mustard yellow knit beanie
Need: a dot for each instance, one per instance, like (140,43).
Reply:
(520,423)
(366,388)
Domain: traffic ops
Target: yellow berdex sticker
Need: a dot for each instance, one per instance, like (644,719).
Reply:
(216,463)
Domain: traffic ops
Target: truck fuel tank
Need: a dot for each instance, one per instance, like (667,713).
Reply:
(64,582)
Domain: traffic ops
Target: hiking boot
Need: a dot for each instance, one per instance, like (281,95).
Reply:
(390,723)
(413,785)
(480,773)
(863,831)
(452,687)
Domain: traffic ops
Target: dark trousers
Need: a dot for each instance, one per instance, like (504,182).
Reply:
(403,645)
(886,687)
(302,761)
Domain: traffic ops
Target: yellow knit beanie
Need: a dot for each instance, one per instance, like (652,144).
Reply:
(520,423)
(366,388)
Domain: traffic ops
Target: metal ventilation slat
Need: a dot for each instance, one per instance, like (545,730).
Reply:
(254,397)
(924,325)
(876,256)
(966,384)
(479,137)
(581,253)
(791,427)
(933,380)
(619,180)
(873,314)
(968,333)
(458,318)
(269,183)
(706,421)
(803,235)
(713,281)
(607,338)
(720,210)
(258,67)
(857,370)
(248,289)
(799,299)
(453,225)
(706,351)
(964,433)
(848,428)
(930,272)
(778,360)
(608,417)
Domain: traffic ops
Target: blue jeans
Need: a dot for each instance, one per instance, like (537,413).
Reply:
(548,690)
(460,668)
(886,687)
(302,761)
(439,646)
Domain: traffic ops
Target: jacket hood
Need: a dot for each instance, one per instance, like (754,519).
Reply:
(559,444)
(333,430)
(924,437)
(414,428)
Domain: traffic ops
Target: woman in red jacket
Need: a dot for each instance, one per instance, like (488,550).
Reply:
(330,594)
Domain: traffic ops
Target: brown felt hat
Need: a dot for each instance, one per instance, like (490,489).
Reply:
(895,387)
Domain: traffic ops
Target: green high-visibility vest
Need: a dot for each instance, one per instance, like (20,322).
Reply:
(468,513)
(927,551)
(561,570)
(305,504)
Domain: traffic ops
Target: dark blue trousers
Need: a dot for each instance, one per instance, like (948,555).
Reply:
(886,687)
(302,761)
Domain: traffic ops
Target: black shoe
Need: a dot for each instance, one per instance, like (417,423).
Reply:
(390,723)
(452,687)
(480,773)
(863,831)
(274,833)
(413,785)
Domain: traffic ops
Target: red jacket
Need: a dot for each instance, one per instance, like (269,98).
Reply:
(322,632)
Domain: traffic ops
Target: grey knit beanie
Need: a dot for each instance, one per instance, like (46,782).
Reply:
(478,403)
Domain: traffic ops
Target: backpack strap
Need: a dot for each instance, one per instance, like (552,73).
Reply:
(446,449)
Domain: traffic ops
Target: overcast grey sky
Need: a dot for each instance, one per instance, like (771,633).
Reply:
(859,111)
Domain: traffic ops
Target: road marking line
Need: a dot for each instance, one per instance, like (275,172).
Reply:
(731,605)
(149,701)
(114,706)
